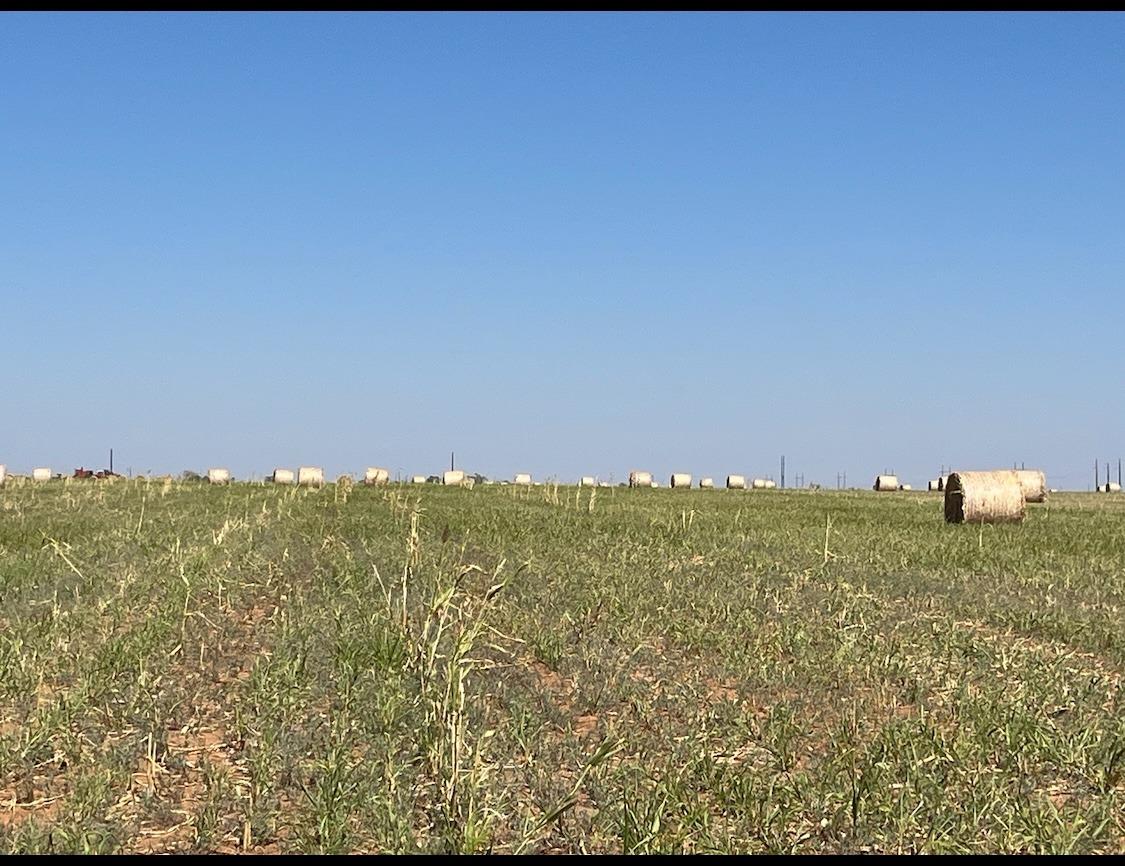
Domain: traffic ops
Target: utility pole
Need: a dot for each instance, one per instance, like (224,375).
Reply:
(1097,478)
(783,470)
(110,461)
(450,461)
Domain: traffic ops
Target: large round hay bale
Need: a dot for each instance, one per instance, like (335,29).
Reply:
(758,484)
(886,482)
(523,478)
(736,482)
(933,485)
(43,473)
(3,474)
(376,475)
(218,476)
(770,484)
(283,476)
(418,479)
(1033,482)
(941,481)
(310,476)
(905,487)
(1111,487)
(587,481)
(706,483)
(453,477)
(680,480)
(638,478)
(984,497)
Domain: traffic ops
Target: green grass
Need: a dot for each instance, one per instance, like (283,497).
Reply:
(194,668)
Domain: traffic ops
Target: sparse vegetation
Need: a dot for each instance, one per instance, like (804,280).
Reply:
(255,667)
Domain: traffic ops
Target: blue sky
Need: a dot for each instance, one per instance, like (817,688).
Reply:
(564,244)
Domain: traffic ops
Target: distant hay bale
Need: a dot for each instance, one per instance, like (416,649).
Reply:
(376,475)
(418,479)
(43,473)
(706,483)
(680,480)
(218,476)
(454,477)
(3,474)
(604,484)
(984,497)
(758,484)
(654,484)
(523,478)
(941,481)
(640,479)
(283,476)
(886,482)
(770,484)
(736,482)
(310,476)
(933,485)
(1111,487)
(1033,482)
(587,481)
(905,487)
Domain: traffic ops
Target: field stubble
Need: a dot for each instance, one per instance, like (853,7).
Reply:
(253,668)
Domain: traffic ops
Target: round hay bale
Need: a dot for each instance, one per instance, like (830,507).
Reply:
(310,476)
(43,473)
(1111,487)
(523,478)
(941,481)
(706,483)
(283,476)
(984,497)
(418,479)
(770,484)
(218,476)
(736,482)
(933,485)
(654,484)
(886,482)
(376,475)
(1033,482)
(905,487)
(604,484)
(454,477)
(680,480)
(3,474)
(758,484)
(587,481)
(640,479)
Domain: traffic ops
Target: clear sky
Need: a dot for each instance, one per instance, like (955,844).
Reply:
(564,244)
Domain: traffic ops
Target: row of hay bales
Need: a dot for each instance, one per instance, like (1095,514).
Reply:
(997,496)
(42,473)
(683,481)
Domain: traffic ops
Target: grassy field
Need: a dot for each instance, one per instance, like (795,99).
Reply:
(194,668)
